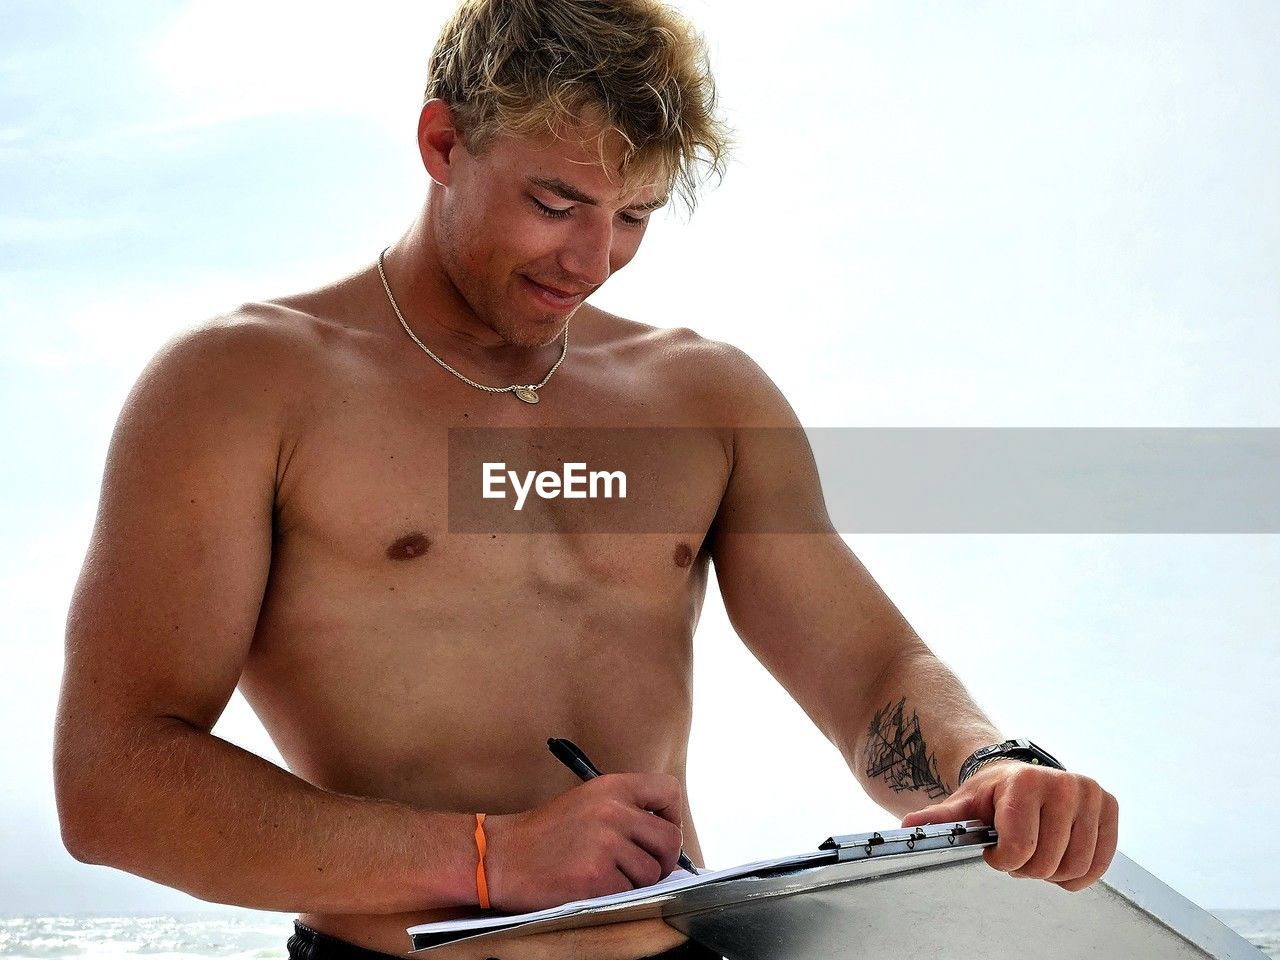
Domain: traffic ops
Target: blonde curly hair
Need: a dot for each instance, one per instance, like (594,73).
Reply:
(636,69)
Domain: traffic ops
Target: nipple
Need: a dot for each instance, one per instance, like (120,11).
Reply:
(409,546)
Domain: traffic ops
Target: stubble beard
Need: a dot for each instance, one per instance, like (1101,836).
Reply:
(489,306)
(546,330)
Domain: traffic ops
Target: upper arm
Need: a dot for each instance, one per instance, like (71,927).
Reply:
(795,593)
(167,601)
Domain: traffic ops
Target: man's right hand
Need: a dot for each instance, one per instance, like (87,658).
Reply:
(598,838)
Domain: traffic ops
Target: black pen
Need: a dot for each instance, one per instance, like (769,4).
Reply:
(571,755)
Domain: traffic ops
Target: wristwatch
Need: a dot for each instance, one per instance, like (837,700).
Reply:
(1023,750)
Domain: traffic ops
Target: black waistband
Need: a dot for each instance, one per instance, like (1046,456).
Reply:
(309,944)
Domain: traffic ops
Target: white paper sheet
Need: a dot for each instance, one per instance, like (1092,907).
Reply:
(676,880)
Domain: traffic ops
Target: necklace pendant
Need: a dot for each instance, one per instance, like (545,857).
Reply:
(527,394)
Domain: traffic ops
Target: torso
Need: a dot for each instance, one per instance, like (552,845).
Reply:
(395,659)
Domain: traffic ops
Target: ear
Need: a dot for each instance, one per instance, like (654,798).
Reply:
(438,137)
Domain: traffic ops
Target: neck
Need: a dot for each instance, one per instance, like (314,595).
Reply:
(443,320)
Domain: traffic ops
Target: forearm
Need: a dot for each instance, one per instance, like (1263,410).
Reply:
(921,726)
(187,809)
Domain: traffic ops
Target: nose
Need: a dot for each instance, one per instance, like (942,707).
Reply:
(587,255)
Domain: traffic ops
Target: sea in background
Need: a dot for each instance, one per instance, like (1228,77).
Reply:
(261,936)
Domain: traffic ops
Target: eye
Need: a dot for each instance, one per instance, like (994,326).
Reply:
(555,213)
(558,213)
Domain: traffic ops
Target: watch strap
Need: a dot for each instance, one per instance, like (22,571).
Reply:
(1023,750)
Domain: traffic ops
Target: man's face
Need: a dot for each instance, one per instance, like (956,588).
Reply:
(529,228)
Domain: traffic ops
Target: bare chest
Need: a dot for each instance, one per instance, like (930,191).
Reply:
(435,482)
(420,611)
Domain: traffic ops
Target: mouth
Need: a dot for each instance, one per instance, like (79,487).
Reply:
(553,297)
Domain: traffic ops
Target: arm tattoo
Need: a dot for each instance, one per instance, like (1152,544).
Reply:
(897,751)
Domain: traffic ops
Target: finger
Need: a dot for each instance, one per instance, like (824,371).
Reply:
(1076,861)
(1083,844)
(1108,834)
(1052,840)
(619,882)
(970,806)
(660,794)
(938,813)
(1017,825)
(657,837)
(640,869)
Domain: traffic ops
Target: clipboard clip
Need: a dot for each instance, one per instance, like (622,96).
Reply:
(930,836)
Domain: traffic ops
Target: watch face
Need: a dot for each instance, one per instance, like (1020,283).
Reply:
(1029,752)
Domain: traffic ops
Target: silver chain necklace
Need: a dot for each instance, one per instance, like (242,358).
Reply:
(528,392)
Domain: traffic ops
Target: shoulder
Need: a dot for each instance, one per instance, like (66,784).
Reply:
(245,337)
(249,364)
(681,348)
(718,378)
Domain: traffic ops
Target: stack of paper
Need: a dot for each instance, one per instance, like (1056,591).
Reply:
(448,931)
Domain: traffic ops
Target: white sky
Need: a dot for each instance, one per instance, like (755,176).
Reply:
(1006,214)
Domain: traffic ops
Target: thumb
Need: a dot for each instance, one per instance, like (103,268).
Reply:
(938,813)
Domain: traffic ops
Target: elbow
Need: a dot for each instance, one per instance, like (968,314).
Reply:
(70,815)
(97,789)
(77,833)
(77,824)
(84,815)
(77,846)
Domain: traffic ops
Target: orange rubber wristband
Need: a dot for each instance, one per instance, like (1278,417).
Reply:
(482,885)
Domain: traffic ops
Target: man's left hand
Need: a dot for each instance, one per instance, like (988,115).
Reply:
(1051,825)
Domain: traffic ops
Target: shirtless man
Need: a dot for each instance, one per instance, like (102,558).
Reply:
(274,516)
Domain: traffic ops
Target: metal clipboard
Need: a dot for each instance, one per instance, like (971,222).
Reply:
(912,893)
